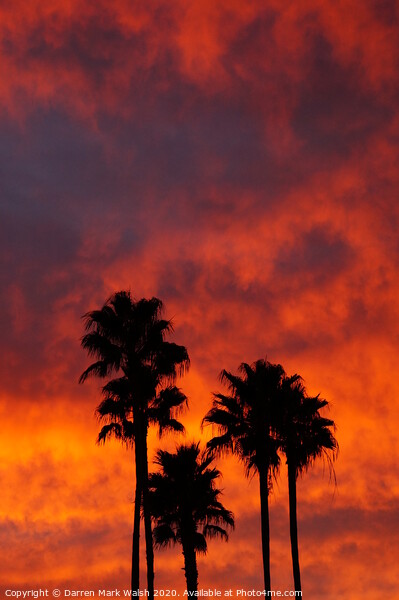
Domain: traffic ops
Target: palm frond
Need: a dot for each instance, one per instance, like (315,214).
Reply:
(163,536)
(220,445)
(171,360)
(170,425)
(171,397)
(98,344)
(99,369)
(111,409)
(108,431)
(117,388)
(104,320)
(200,544)
(213,531)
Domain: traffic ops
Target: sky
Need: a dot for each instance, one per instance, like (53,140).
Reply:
(240,162)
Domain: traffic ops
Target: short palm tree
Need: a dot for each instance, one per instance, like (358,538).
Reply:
(127,337)
(185,505)
(303,436)
(244,422)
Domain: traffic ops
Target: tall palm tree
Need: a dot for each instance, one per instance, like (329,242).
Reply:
(127,337)
(185,505)
(244,421)
(303,436)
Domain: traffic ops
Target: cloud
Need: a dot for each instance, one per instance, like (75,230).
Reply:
(240,163)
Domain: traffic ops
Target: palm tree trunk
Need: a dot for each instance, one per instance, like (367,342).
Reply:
(190,566)
(147,524)
(135,580)
(294,524)
(264,515)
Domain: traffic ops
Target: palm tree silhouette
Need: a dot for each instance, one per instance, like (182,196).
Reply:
(127,337)
(185,505)
(303,436)
(244,421)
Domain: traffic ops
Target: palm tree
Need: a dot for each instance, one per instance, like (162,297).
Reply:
(244,421)
(185,505)
(127,337)
(303,436)
(117,410)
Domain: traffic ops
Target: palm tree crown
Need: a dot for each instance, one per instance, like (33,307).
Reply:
(303,433)
(244,419)
(129,336)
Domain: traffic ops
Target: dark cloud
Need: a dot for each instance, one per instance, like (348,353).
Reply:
(386,12)
(339,521)
(316,257)
(334,115)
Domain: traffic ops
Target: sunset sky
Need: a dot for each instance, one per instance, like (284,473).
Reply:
(238,160)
